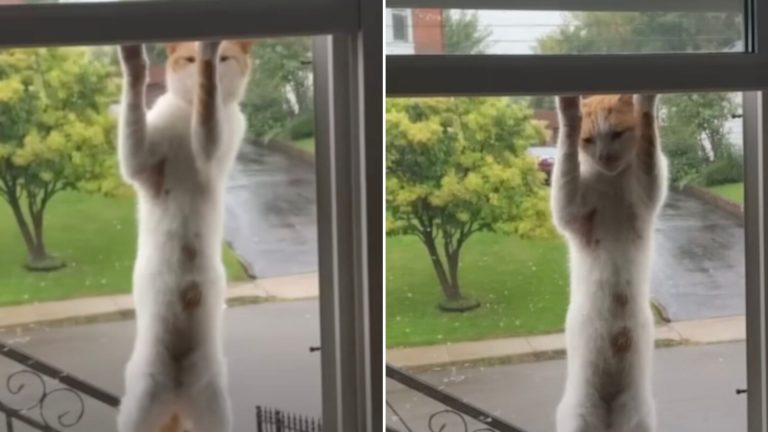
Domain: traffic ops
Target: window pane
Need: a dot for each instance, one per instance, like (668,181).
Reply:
(66,262)
(454,31)
(478,280)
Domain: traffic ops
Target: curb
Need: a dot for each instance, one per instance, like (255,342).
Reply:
(88,309)
(549,346)
(728,207)
(292,151)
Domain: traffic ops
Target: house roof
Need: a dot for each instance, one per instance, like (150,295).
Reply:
(548,117)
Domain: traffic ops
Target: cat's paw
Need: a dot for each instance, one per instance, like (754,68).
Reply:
(209,49)
(134,62)
(645,102)
(570,109)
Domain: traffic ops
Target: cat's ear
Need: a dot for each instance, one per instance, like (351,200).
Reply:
(244,45)
(171,48)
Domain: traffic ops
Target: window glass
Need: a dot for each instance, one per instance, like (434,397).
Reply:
(68,234)
(477,277)
(467,31)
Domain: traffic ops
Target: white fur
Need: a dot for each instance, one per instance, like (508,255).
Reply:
(189,211)
(626,202)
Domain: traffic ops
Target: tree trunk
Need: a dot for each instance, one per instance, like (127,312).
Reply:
(37,256)
(453,270)
(26,234)
(445,283)
(39,251)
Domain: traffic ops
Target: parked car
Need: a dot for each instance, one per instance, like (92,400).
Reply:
(545,159)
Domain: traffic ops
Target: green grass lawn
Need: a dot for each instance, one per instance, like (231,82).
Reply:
(521,284)
(733,192)
(95,235)
(307,144)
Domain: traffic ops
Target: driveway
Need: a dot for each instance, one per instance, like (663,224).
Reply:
(694,388)
(267,349)
(271,213)
(698,269)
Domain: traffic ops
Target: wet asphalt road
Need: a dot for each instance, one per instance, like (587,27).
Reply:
(698,268)
(271,213)
(266,345)
(694,388)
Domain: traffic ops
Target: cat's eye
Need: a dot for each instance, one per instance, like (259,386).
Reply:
(189,59)
(617,134)
(224,58)
(587,140)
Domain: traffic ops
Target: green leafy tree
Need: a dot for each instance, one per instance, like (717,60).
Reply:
(56,134)
(692,122)
(457,166)
(282,78)
(463,33)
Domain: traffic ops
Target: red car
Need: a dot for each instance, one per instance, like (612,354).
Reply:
(545,159)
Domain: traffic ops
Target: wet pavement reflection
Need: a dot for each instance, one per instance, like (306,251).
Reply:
(698,268)
(271,213)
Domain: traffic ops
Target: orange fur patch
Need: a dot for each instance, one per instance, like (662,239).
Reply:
(173,425)
(618,109)
(191,296)
(180,54)
(621,341)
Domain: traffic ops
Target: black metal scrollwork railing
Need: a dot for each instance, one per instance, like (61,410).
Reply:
(53,398)
(454,417)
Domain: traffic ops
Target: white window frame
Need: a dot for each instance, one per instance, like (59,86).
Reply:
(441,75)
(345,62)
(405,13)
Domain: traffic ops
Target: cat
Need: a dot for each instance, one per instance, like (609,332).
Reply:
(177,157)
(609,182)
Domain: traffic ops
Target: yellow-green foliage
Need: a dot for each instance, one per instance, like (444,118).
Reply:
(456,166)
(56,131)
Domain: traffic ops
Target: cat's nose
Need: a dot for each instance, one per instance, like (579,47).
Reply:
(608,158)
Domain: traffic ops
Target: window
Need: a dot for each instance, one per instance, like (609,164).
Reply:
(509,59)
(400,25)
(308,233)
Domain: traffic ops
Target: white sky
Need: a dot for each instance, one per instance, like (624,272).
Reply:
(516,32)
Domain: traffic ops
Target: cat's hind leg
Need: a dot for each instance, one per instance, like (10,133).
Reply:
(209,408)
(146,406)
(634,413)
(578,416)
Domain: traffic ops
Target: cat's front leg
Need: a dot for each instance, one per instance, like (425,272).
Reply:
(566,177)
(649,155)
(206,120)
(132,127)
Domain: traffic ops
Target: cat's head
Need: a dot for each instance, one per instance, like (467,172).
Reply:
(234,66)
(609,131)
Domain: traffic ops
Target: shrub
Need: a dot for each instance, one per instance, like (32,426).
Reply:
(302,127)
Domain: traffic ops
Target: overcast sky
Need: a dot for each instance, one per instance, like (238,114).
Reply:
(516,32)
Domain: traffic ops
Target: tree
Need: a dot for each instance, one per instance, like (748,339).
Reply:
(55,134)
(280,89)
(693,124)
(459,166)
(463,34)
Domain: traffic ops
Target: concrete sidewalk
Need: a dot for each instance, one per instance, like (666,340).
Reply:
(696,332)
(281,288)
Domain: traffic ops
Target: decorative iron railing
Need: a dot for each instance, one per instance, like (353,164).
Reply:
(35,387)
(274,420)
(457,410)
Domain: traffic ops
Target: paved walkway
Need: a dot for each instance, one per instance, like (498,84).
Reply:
(701,331)
(693,386)
(284,288)
(266,347)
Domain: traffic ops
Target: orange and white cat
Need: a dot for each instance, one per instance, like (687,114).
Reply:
(177,156)
(608,184)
